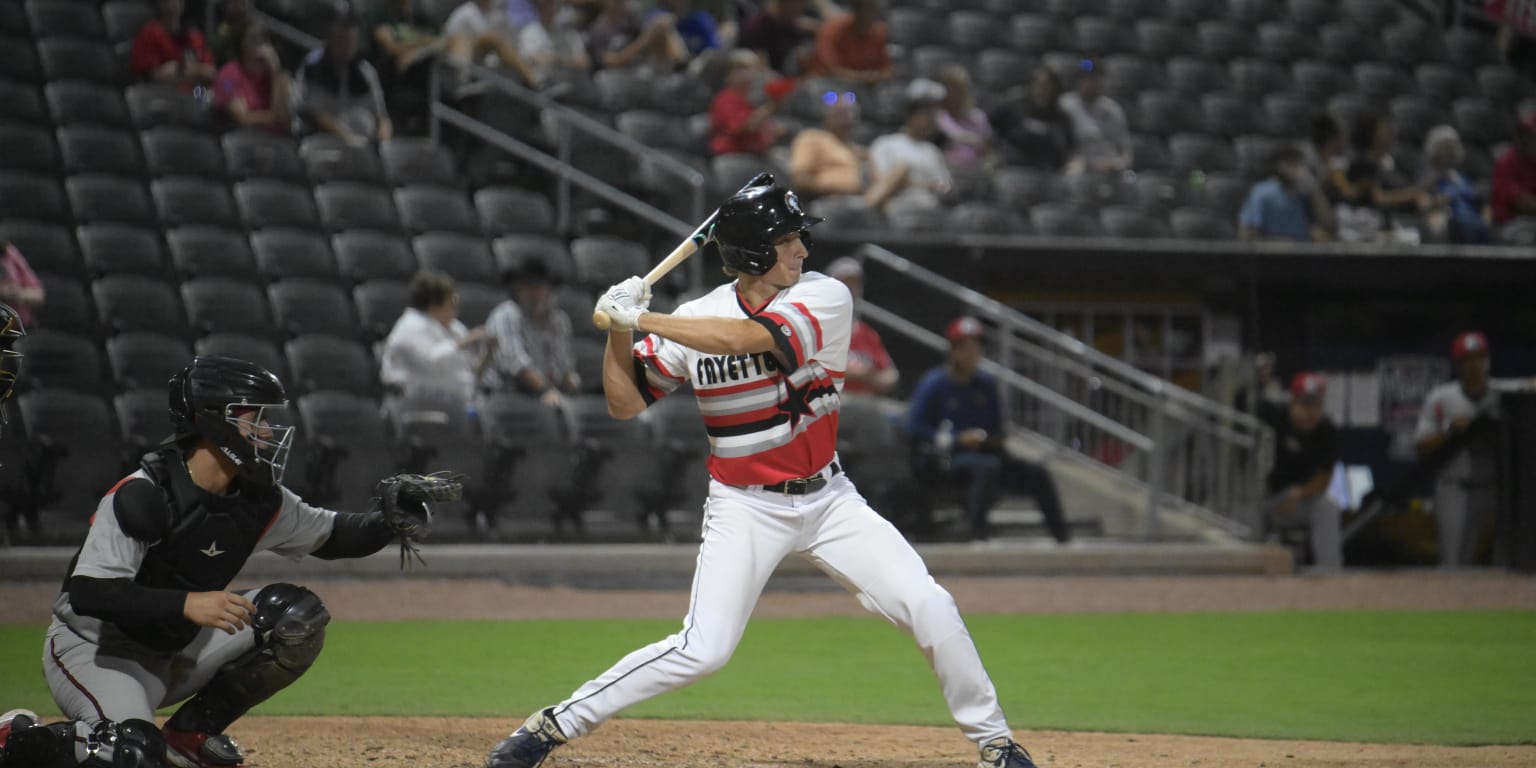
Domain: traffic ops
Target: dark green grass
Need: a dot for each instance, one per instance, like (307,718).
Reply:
(1449,678)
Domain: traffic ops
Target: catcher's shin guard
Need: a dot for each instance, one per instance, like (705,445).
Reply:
(75,744)
(290,631)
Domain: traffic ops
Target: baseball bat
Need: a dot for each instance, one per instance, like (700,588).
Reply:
(683,250)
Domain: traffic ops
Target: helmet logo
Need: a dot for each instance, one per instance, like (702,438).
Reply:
(793,203)
(231,455)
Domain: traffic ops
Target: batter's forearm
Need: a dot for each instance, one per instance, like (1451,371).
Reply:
(710,335)
(620,380)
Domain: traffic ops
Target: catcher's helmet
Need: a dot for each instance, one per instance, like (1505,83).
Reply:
(10,359)
(226,402)
(751,220)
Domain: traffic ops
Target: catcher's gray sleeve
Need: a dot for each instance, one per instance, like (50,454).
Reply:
(299,529)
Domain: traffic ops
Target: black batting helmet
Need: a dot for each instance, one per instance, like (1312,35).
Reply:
(227,402)
(751,220)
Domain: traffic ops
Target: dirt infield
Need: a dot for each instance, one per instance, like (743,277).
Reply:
(463,743)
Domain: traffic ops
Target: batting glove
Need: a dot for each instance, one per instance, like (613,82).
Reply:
(621,315)
(633,292)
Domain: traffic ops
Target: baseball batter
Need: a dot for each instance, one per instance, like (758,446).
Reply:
(145,618)
(766,356)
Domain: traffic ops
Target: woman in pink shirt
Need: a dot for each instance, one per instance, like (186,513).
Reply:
(19,286)
(253,88)
(967,134)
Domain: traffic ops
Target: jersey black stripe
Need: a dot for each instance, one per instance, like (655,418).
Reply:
(786,350)
(736,430)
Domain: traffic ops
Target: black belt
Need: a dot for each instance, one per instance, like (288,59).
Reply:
(803,485)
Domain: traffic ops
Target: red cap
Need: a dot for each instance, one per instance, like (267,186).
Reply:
(1469,343)
(1308,386)
(964,328)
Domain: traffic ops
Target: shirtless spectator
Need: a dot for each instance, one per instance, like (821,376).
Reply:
(824,162)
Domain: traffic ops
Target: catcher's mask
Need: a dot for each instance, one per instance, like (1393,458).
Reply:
(10,360)
(232,404)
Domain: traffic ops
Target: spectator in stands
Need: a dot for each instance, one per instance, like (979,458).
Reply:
(1035,131)
(167,51)
(402,36)
(1306,448)
(532,351)
(1099,129)
(617,38)
(253,90)
(1514,175)
(337,92)
(737,125)
(1458,212)
(783,34)
(19,285)
(824,161)
(955,422)
(430,352)
(476,30)
(1285,206)
(696,28)
(967,134)
(1373,189)
(852,46)
(235,16)
(908,169)
(1326,153)
(552,48)
(870,368)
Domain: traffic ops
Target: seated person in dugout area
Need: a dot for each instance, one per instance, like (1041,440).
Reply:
(1306,450)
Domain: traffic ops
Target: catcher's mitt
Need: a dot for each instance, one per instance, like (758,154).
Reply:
(403,501)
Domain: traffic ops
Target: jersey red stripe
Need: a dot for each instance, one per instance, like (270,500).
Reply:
(801,457)
(736,389)
(815,324)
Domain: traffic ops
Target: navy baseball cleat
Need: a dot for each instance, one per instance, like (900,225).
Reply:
(1003,752)
(529,745)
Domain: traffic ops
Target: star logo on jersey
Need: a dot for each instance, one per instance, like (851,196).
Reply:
(796,403)
(212,550)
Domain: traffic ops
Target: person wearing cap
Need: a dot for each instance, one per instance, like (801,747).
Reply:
(955,422)
(533,351)
(1465,487)
(1099,128)
(1514,175)
(870,368)
(909,172)
(1306,448)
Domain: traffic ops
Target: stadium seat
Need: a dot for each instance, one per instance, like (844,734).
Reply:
(912,27)
(1159,39)
(999,69)
(347,451)
(136,303)
(1224,193)
(348,205)
(61,360)
(511,252)
(1370,14)
(425,209)
(1222,40)
(1098,37)
(328,158)
(1093,190)
(180,152)
(1253,154)
(728,172)
(652,128)
(1252,13)
(1318,81)
(417,161)
(589,353)
(282,254)
(146,359)
(1193,77)
(1126,76)
(630,474)
(971,30)
(23,101)
(437,434)
(18,58)
(95,149)
(1312,13)
(267,203)
(1227,115)
(1504,86)
(320,363)
(27,148)
(1345,45)
(1257,78)
(1198,152)
(210,251)
(1284,43)
(68,308)
(143,419)
(1157,193)
(32,196)
(1410,44)
(260,351)
(618,90)
(223,305)
(1032,34)
(72,101)
(189,201)
(362,256)
(985,219)
(101,198)
(47,247)
(511,211)
(120,249)
(476,300)
(1350,108)
(681,435)
(1150,152)
(464,258)
(75,457)
(1019,188)
(1415,115)
(1061,220)
(1481,122)
(1469,49)
(254,154)
(679,94)
(157,104)
(73,58)
(1200,224)
(303,307)
(59,18)
(379,304)
(1162,113)
(1287,117)
(124,18)
(1381,82)
(602,261)
(1443,83)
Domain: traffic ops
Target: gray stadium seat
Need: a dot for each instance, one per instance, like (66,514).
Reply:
(1381,82)
(58,359)
(1093,190)
(303,307)
(680,94)
(1223,40)
(1194,77)
(1283,42)
(1163,114)
(199,251)
(1411,44)
(1019,188)
(910,27)
(74,101)
(465,258)
(1200,224)
(1257,78)
(1415,115)
(68,307)
(1312,13)
(121,249)
(96,149)
(1032,34)
(618,90)
(512,211)
(72,58)
(180,152)
(602,261)
(58,18)
(260,351)
(53,419)
(534,454)
(155,104)
(47,247)
(268,203)
(1345,44)
(255,154)
(349,206)
(652,128)
(1061,220)
(513,251)
(27,148)
(985,219)
(193,201)
(1443,82)
(225,305)
(1128,222)
(124,18)
(1253,154)
(379,304)
(424,209)
(1158,192)
(930,61)
(1504,86)
(23,100)
(362,256)
(1224,193)
(282,254)
(1196,152)
(328,158)
(100,198)
(1480,122)
(1287,117)
(417,161)
(1227,114)
(998,69)
(349,448)
(1126,76)
(972,31)
(32,196)
(320,363)
(1319,80)
(18,58)
(1469,49)
(1158,38)
(146,359)
(1370,14)
(476,300)
(137,303)
(143,418)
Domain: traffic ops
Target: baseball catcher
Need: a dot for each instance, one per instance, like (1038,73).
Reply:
(145,619)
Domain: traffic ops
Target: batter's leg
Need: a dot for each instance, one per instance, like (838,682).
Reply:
(870,558)
(746,535)
(91,685)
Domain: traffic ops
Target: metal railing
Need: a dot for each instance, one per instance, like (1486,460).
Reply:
(1182,449)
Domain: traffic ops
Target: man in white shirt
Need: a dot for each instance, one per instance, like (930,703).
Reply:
(429,352)
(911,176)
(1099,128)
(475,29)
(552,49)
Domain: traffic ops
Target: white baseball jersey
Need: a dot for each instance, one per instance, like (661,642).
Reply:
(1447,403)
(770,417)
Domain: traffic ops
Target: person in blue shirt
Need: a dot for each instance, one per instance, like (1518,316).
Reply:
(1282,207)
(955,424)
(1458,213)
(697,28)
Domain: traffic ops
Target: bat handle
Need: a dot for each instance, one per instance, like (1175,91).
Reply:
(601,320)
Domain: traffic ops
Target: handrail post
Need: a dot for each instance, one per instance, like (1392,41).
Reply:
(1155,461)
(563,183)
(1005,359)
(434,95)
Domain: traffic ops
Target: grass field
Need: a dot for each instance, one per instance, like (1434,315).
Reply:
(1443,678)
